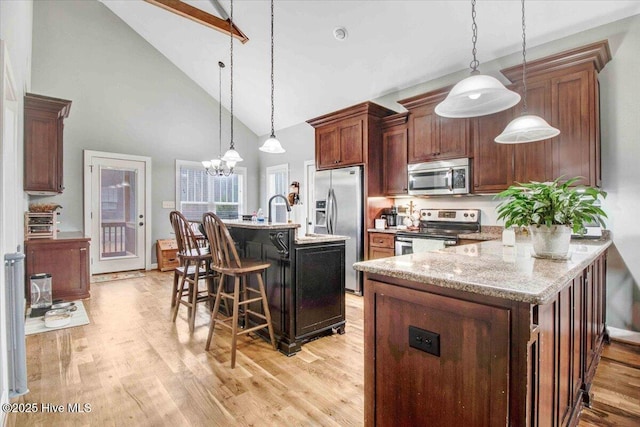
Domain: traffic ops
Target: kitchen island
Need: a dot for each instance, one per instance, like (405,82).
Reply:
(304,284)
(488,337)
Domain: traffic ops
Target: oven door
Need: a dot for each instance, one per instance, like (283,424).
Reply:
(439,178)
(417,244)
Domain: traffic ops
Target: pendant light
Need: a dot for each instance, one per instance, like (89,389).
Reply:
(527,127)
(272,145)
(231,156)
(477,95)
(217,167)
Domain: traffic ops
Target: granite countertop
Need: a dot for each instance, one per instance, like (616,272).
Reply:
(319,238)
(260,225)
(488,268)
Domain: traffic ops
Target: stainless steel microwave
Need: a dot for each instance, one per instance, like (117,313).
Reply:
(446,177)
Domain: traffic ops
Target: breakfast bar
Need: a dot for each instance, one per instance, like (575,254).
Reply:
(305,282)
(489,336)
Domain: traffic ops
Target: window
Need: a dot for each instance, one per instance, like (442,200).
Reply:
(197,192)
(277,183)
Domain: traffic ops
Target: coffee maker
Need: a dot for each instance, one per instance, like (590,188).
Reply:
(391,215)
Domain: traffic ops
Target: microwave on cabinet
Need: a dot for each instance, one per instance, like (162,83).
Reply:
(446,177)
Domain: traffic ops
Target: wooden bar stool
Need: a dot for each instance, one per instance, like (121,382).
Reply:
(194,266)
(226,262)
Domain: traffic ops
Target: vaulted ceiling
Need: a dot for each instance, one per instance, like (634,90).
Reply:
(391,45)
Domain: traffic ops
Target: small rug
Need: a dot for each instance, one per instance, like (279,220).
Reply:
(99,278)
(35,325)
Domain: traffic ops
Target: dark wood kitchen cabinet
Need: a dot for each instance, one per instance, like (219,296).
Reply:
(432,137)
(564,91)
(350,137)
(497,166)
(66,258)
(381,245)
(343,138)
(394,154)
(43,143)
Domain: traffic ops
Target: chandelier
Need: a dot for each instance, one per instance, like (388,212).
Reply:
(217,166)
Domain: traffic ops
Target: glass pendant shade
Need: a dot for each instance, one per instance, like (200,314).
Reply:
(477,95)
(231,156)
(526,128)
(272,146)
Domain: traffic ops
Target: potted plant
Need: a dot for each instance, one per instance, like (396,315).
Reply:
(551,210)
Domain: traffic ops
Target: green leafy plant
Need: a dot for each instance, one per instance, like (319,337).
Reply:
(551,203)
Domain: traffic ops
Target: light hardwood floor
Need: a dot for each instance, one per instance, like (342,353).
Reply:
(134,367)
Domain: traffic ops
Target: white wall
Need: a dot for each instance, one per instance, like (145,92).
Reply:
(620,127)
(127,98)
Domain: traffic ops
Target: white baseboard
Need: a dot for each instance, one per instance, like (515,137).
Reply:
(154,266)
(623,335)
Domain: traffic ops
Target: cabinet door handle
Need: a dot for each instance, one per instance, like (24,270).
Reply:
(83,249)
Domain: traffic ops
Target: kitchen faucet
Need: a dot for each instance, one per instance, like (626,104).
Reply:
(285,201)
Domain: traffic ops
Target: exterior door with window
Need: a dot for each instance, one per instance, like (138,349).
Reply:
(117,214)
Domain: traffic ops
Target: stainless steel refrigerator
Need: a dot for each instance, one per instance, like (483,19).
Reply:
(338,210)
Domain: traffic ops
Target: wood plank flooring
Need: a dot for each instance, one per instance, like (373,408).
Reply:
(134,367)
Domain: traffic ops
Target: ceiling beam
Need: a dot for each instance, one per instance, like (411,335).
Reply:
(200,16)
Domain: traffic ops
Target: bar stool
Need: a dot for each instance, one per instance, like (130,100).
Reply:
(194,266)
(226,262)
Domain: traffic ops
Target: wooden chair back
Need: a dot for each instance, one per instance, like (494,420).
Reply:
(223,249)
(185,237)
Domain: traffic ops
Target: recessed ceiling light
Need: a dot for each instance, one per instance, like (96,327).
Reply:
(340,33)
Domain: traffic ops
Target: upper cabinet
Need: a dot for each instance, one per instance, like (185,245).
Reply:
(352,136)
(497,166)
(394,154)
(43,130)
(432,137)
(563,90)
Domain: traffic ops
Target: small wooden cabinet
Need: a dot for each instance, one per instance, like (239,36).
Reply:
(167,253)
(340,145)
(352,136)
(66,258)
(394,154)
(381,245)
(43,131)
(432,137)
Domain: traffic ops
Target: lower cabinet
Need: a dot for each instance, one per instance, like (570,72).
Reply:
(381,245)
(320,277)
(66,259)
(443,357)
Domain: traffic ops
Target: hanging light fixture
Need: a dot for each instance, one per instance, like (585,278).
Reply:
(217,167)
(527,127)
(231,156)
(477,95)
(272,145)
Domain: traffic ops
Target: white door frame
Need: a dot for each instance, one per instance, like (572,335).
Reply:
(88,157)
(309,197)
(11,205)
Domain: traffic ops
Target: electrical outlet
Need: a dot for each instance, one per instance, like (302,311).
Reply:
(424,340)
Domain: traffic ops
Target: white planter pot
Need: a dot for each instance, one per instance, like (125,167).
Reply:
(550,242)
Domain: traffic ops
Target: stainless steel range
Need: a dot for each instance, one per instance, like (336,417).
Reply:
(438,228)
